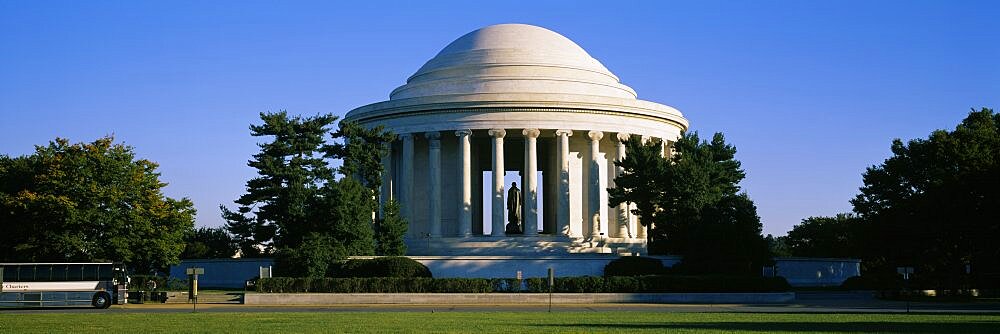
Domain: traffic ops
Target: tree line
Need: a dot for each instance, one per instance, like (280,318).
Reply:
(311,204)
(933,205)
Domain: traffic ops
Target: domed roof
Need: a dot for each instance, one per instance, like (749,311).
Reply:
(512,59)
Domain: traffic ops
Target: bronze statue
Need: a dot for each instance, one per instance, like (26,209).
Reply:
(514,210)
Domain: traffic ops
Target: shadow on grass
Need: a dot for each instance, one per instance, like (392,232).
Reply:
(817,327)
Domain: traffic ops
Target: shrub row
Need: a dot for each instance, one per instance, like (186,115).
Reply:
(585,284)
(388,266)
(139,283)
(635,266)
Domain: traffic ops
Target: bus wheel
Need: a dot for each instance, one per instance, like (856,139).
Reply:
(101,300)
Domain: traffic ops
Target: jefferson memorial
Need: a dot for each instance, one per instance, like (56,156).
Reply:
(523,102)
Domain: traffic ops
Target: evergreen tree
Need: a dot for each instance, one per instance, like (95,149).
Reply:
(390,230)
(313,217)
(351,209)
(290,170)
(641,183)
(692,200)
(361,151)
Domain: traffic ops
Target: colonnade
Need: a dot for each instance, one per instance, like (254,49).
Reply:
(402,189)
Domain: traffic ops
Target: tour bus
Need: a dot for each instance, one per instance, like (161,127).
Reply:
(62,284)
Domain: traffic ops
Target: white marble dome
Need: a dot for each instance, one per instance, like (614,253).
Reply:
(513,58)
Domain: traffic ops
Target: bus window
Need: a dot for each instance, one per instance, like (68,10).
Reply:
(105,272)
(74,272)
(10,274)
(43,273)
(90,272)
(58,272)
(26,274)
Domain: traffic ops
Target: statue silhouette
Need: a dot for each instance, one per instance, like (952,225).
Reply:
(514,210)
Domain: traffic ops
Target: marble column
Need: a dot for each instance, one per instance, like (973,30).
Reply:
(465,164)
(594,192)
(385,194)
(406,191)
(530,181)
(434,179)
(623,216)
(562,156)
(497,220)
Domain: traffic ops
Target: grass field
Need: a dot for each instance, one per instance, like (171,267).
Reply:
(494,322)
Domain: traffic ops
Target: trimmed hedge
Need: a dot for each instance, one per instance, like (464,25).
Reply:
(585,284)
(634,266)
(388,266)
(138,283)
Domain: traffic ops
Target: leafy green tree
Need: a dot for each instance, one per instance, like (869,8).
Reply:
(88,202)
(836,236)
(209,243)
(311,258)
(778,246)
(692,200)
(935,203)
(390,230)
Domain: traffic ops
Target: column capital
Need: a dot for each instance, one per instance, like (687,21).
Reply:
(561,132)
(465,132)
(595,135)
(433,135)
(531,133)
(498,133)
(622,137)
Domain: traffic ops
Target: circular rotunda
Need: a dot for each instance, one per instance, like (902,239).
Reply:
(521,100)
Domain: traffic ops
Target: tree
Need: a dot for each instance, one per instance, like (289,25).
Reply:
(935,203)
(362,150)
(641,183)
(89,202)
(778,246)
(836,236)
(390,230)
(290,172)
(692,200)
(314,217)
(209,243)
(351,209)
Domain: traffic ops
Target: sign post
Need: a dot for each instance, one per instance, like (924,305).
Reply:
(193,285)
(552,282)
(906,272)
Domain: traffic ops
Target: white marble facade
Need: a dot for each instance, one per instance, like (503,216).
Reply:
(505,98)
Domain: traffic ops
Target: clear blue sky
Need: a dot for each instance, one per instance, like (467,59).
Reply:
(810,92)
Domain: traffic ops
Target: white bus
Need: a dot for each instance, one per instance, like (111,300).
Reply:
(62,284)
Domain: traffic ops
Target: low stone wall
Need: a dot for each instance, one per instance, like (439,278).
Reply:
(514,298)
(813,272)
(222,273)
(530,266)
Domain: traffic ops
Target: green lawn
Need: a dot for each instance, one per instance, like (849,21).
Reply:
(493,322)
